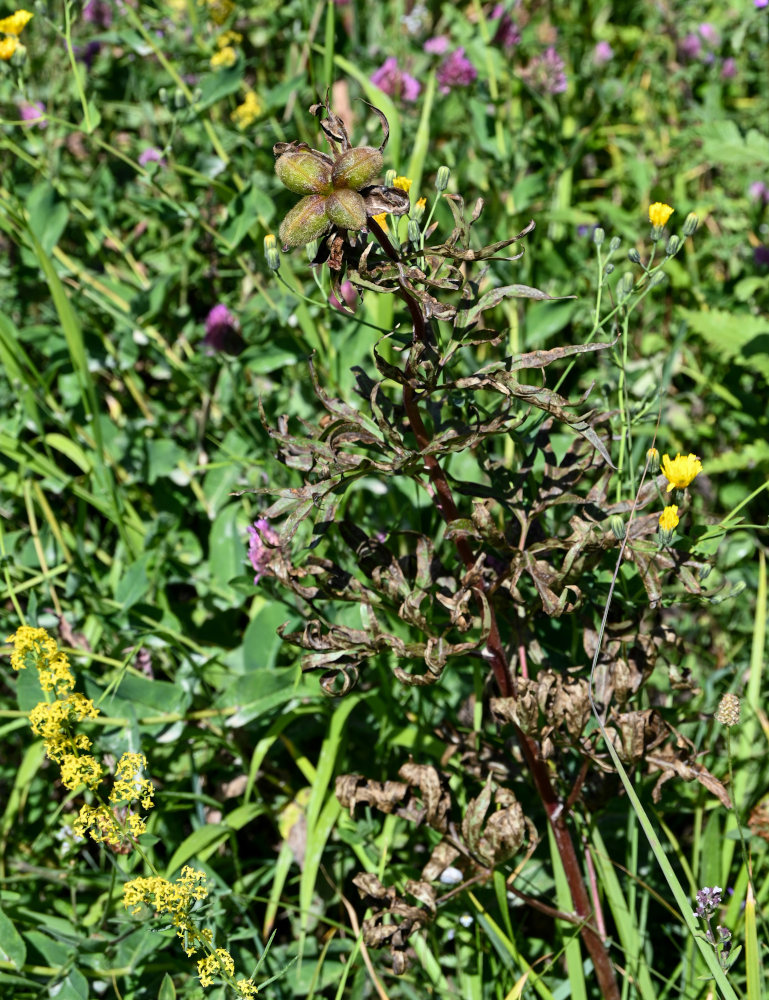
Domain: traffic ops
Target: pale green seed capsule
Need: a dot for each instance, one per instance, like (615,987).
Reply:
(307,220)
(356,167)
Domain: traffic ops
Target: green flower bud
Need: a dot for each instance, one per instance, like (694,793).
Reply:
(625,285)
(634,256)
(617,525)
(690,224)
(356,167)
(673,246)
(609,268)
(413,231)
(303,172)
(308,220)
(615,243)
(346,209)
(599,235)
(390,176)
(657,278)
(653,457)
(442,178)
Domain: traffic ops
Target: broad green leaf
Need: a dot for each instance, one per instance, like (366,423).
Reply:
(12,947)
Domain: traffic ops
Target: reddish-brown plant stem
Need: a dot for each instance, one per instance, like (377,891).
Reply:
(495,653)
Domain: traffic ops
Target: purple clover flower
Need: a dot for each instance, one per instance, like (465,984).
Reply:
(32,113)
(436,46)
(728,69)
(709,34)
(456,70)
(602,53)
(223,332)
(759,4)
(758,191)
(507,35)
(396,82)
(151,155)
(98,13)
(545,73)
(690,46)
(262,539)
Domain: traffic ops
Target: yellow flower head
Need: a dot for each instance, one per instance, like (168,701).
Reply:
(681,470)
(659,213)
(669,518)
(381,219)
(220,10)
(403,184)
(8,46)
(15,23)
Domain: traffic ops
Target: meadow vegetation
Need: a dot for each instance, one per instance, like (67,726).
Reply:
(383,468)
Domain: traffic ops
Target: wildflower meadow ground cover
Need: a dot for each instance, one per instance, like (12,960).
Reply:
(383,477)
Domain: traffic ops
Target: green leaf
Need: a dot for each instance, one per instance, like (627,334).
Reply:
(219,84)
(733,336)
(12,947)
(167,989)
(134,582)
(47,215)
(247,209)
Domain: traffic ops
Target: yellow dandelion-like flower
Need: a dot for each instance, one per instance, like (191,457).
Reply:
(669,518)
(382,220)
(245,114)
(15,23)
(8,46)
(659,213)
(403,184)
(224,58)
(681,470)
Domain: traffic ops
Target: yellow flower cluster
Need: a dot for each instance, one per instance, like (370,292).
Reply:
(57,722)
(220,10)
(218,962)
(245,114)
(11,27)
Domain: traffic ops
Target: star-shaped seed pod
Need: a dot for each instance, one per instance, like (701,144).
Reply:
(336,188)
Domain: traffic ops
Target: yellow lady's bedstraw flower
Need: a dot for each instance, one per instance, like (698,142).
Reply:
(669,518)
(659,213)
(246,113)
(224,58)
(680,471)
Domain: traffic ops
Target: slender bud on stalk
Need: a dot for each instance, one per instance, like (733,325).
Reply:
(673,246)
(634,256)
(690,224)
(418,211)
(614,244)
(625,285)
(414,231)
(271,252)
(599,235)
(609,269)
(656,279)
(653,457)
(442,178)
(617,526)
(389,177)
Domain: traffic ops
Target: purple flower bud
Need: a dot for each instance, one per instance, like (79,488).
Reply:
(728,69)
(456,70)
(545,73)
(151,155)
(690,46)
(709,34)
(758,191)
(262,540)
(98,13)
(32,113)
(507,35)
(395,82)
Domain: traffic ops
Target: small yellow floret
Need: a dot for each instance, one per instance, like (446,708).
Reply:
(403,184)
(681,470)
(381,219)
(212,965)
(8,46)
(15,23)
(669,518)
(659,213)
(246,113)
(224,58)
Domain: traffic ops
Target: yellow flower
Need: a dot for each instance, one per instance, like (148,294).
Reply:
(80,770)
(8,46)
(220,10)
(224,58)
(669,518)
(246,113)
(228,38)
(212,965)
(403,184)
(381,219)
(659,213)
(15,23)
(247,988)
(681,470)
(129,784)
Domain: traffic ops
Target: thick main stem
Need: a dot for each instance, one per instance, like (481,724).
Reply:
(495,653)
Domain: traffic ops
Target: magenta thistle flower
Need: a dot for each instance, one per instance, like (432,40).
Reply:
(456,70)
(395,82)
(261,540)
(545,73)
